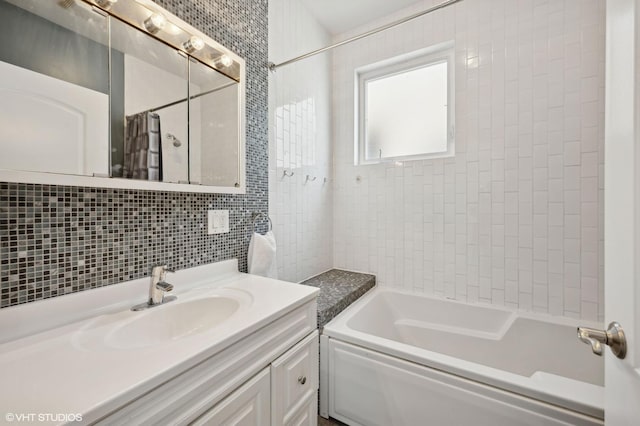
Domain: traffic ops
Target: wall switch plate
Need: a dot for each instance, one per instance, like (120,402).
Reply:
(218,221)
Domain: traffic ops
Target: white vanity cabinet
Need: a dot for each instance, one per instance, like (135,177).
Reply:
(185,362)
(294,384)
(268,378)
(284,393)
(248,405)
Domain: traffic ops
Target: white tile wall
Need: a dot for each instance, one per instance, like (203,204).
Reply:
(516,218)
(299,142)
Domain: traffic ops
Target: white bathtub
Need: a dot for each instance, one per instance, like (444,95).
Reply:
(396,358)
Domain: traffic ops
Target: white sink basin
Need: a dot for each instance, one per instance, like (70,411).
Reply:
(172,321)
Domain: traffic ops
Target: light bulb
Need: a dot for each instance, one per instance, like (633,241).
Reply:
(223,61)
(155,23)
(194,43)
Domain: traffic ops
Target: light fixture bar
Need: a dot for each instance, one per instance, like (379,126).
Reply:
(442,5)
(147,16)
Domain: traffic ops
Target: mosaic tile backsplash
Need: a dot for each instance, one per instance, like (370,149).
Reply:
(56,240)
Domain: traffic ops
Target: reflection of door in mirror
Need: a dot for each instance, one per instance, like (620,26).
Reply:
(150,134)
(86,92)
(54,87)
(214,127)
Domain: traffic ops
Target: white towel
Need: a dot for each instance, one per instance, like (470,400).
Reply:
(262,255)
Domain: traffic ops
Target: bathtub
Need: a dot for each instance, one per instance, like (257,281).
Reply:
(395,358)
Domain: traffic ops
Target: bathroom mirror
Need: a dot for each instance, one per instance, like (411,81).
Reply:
(150,116)
(117,94)
(54,89)
(213,127)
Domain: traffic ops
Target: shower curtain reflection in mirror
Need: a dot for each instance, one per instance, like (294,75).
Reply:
(155,78)
(143,147)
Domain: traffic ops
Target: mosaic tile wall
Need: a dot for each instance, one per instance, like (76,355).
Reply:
(56,240)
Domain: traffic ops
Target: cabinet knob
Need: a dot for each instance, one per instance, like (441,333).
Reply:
(302,380)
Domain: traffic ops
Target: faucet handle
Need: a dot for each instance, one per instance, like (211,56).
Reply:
(159,271)
(156,269)
(166,269)
(163,274)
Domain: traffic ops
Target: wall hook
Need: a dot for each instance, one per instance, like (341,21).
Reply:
(287,174)
(310,179)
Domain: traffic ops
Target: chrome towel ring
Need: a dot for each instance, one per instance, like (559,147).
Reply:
(257,217)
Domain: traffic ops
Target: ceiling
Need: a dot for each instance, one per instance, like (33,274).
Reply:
(338,16)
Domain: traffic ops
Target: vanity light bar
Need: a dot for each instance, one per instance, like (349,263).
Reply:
(147,16)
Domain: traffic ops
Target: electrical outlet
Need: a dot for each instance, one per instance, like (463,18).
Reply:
(218,221)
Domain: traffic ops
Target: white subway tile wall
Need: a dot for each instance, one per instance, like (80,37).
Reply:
(516,218)
(299,142)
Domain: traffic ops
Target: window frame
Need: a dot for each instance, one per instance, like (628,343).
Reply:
(443,52)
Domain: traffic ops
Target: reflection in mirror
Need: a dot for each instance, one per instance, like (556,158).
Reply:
(101,88)
(149,134)
(214,127)
(54,88)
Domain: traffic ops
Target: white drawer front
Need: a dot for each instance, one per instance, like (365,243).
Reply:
(294,379)
(249,405)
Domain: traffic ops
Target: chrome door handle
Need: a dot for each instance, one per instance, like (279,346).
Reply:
(613,337)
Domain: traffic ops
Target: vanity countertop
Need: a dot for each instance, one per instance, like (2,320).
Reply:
(56,355)
(338,290)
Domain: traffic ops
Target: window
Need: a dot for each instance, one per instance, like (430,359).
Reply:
(405,107)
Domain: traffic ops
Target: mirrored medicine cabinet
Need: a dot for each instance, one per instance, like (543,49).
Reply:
(117,93)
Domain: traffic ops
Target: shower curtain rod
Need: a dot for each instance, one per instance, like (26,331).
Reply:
(273,67)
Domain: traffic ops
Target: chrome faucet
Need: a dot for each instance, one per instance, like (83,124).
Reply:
(157,289)
(158,286)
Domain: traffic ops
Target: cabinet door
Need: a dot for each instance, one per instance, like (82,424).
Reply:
(294,380)
(307,415)
(249,405)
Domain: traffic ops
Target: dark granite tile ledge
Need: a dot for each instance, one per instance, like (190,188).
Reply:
(338,290)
